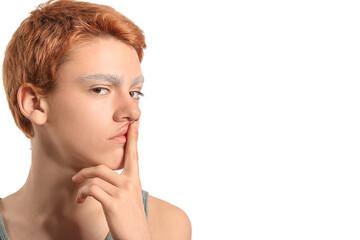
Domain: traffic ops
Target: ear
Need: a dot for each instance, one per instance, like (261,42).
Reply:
(32,105)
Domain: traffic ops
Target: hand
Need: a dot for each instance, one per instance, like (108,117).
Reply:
(119,194)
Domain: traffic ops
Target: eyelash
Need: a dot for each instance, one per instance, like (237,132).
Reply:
(140,94)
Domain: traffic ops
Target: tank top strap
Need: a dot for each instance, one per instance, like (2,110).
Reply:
(3,234)
(145,196)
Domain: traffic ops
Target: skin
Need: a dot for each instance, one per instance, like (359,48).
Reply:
(72,129)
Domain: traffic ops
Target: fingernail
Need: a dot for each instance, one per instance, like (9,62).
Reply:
(76,178)
(136,125)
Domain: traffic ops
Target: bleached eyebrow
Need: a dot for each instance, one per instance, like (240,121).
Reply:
(110,78)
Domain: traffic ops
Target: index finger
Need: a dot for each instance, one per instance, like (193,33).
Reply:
(131,164)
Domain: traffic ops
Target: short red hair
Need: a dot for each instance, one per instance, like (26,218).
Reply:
(42,42)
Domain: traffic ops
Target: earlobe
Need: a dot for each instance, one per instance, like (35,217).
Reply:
(32,105)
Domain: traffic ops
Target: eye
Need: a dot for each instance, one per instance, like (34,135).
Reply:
(138,94)
(98,89)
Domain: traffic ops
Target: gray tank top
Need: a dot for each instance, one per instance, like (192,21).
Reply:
(145,194)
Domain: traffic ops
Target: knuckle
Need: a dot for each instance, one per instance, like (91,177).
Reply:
(119,195)
(130,186)
(93,188)
(101,167)
(93,182)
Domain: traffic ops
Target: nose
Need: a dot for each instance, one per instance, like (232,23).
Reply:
(126,108)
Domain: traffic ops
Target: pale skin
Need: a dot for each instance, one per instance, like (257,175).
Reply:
(72,127)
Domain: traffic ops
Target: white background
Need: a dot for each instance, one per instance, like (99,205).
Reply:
(250,122)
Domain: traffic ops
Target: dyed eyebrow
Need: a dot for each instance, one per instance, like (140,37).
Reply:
(109,78)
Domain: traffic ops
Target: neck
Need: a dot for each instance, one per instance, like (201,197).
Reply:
(46,204)
(49,193)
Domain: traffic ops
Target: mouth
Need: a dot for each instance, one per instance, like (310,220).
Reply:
(121,137)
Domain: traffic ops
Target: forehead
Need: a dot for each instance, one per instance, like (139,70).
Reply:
(103,49)
(106,59)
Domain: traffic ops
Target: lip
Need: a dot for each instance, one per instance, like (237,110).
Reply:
(121,136)
(119,139)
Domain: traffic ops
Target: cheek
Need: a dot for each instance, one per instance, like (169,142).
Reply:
(87,123)
(82,131)
(80,122)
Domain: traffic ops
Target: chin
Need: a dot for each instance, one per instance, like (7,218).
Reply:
(110,157)
(116,163)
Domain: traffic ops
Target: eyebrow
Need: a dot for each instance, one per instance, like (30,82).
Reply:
(110,78)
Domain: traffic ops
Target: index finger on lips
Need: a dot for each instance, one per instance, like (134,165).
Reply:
(131,164)
(100,171)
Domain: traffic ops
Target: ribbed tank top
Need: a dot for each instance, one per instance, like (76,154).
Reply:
(145,195)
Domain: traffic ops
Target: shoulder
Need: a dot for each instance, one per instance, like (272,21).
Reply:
(167,221)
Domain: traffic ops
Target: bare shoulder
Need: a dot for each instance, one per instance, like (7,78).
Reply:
(167,221)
